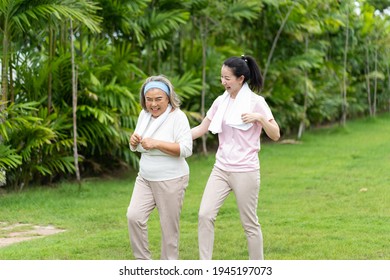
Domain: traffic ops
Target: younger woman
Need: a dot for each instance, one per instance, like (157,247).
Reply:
(238,116)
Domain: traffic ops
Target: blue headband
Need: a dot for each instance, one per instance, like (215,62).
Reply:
(156,84)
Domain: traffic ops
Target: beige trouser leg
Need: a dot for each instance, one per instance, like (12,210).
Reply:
(246,188)
(168,197)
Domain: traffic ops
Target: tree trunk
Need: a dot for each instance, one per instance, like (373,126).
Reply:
(276,40)
(344,94)
(388,86)
(375,83)
(50,76)
(4,79)
(303,118)
(4,69)
(74,95)
(203,34)
(11,80)
(367,69)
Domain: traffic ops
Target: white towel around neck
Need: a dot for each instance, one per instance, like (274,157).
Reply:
(242,104)
(142,128)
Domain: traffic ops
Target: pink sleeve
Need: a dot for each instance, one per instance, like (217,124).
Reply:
(213,109)
(263,108)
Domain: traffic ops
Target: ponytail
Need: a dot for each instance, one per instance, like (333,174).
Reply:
(246,66)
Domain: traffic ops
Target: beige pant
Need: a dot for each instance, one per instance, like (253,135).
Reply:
(168,197)
(246,187)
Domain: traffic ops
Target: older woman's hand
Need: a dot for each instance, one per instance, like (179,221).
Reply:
(135,139)
(149,143)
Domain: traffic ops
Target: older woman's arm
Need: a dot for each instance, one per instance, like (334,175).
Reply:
(182,147)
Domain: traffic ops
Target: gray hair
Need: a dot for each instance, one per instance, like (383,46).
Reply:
(173,97)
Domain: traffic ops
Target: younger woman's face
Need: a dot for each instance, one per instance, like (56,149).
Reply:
(231,83)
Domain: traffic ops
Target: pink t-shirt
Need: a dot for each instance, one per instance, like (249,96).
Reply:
(238,149)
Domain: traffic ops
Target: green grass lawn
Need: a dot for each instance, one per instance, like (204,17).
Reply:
(326,198)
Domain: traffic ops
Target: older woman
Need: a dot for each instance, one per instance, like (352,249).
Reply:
(163,137)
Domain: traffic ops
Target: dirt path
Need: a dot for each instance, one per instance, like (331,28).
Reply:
(14,233)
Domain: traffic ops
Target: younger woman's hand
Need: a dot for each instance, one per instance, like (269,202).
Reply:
(251,117)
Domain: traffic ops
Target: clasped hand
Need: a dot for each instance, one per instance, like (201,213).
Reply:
(251,117)
(146,143)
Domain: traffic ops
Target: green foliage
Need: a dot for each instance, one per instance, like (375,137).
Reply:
(42,144)
(8,159)
(83,11)
(300,45)
(308,208)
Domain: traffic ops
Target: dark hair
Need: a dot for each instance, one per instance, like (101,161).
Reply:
(247,67)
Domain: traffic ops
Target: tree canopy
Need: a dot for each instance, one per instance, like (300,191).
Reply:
(323,61)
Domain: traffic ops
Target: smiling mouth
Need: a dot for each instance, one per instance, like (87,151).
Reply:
(154,110)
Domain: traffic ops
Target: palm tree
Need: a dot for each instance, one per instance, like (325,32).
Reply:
(209,20)
(18,16)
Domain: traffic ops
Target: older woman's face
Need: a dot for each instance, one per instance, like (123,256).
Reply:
(156,101)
